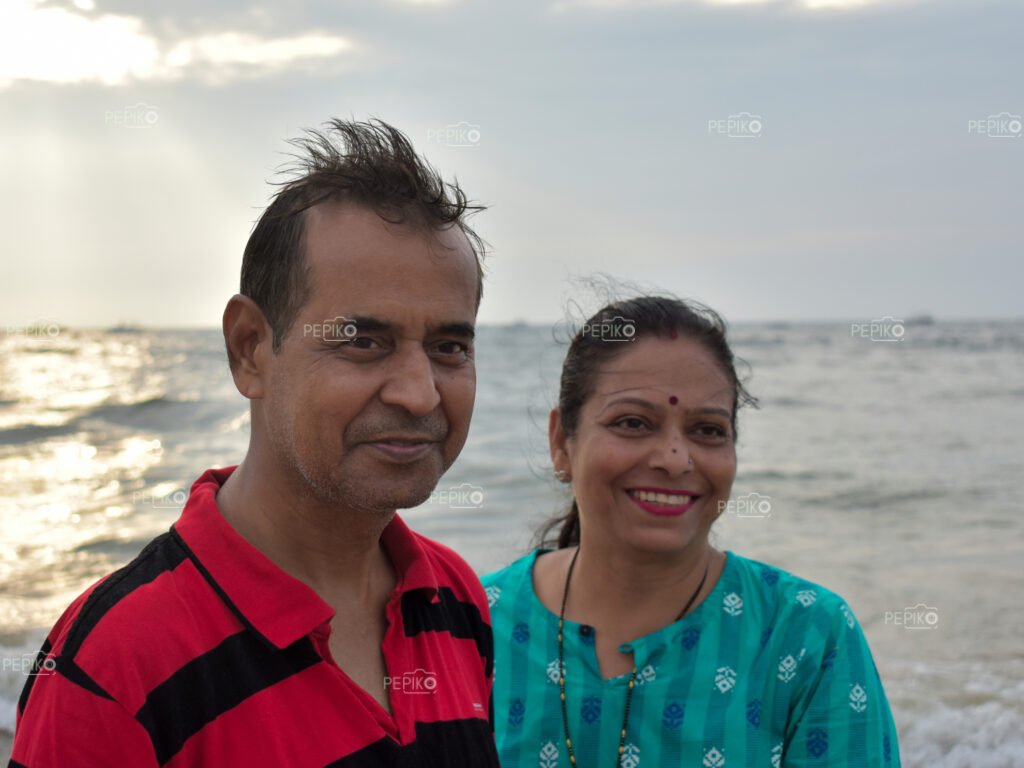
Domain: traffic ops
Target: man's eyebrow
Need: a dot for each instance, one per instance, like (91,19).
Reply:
(466,330)
(367,323)
(370,324)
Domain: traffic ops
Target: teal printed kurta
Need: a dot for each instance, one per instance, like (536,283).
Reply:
(769,670)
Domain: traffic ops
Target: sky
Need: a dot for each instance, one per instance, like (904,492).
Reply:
(775,159)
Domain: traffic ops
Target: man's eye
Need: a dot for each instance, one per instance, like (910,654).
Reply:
(452,348)
(358,343)
(363,342)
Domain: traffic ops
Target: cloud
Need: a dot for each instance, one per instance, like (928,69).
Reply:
(58,45)
(563,5)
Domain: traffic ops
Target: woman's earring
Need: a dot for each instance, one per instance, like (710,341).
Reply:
(562,476)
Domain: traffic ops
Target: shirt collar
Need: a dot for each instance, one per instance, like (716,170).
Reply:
(270,601)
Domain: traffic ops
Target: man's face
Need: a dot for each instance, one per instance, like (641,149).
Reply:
(370,396)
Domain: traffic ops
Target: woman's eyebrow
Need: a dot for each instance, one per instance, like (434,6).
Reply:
(630,401)
(647,404)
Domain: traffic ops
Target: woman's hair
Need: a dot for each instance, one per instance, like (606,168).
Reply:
(591,349)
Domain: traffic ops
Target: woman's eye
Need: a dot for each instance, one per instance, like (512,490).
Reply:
(712,430)
(632,423)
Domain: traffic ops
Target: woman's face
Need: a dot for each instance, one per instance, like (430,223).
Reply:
(652,460)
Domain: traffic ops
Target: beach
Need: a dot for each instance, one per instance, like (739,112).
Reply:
(891,473)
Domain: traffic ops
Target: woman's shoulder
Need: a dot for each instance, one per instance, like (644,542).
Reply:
(782,593)
(513,577)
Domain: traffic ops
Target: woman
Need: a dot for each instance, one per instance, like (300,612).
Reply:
(635,642)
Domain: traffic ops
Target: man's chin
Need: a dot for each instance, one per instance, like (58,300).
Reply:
(384,500)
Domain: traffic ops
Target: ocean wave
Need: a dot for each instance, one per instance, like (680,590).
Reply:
(14,658)
(160,414)
(31,433)
(985,735)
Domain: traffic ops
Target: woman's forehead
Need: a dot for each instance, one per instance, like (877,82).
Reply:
(659,363)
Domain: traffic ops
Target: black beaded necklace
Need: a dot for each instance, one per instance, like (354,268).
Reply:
(632,677)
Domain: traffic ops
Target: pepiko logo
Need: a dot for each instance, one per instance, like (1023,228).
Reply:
(463,496)
(1001,126)
(742,125)
(886,328)
(419,681)
(918,616)
(337,330)
(748,505)
(37,664)
(611,329)
(460,134)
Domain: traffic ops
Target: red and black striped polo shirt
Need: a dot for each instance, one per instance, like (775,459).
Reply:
(202,652)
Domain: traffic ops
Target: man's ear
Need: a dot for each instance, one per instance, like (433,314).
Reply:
(249,341)
(557,443)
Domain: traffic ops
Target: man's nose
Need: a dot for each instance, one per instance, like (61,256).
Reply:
(410,383)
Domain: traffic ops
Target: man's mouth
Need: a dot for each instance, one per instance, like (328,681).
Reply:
(402,448)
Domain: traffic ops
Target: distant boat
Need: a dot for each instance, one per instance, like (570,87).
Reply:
(124,328)
(923,319)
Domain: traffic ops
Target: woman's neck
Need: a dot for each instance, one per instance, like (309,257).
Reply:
(637,593)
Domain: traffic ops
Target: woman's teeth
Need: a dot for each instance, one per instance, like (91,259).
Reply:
(668,499)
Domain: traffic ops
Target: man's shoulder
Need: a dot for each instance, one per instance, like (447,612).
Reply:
(105,600)
(133,624)
(140,622)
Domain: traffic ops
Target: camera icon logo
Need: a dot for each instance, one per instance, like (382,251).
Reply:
(30,664)
(887,329)
(464,496)
(336,331)
(742,125)
(419,681)
(173,500)
(749,505)
(140,115)
(461,134)
(1001,126)
(616,328)
(46,330)
(340,329)
(918,616)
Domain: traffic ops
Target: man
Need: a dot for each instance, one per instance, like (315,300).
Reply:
(289,617)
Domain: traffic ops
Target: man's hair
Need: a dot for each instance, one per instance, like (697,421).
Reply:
(368,163)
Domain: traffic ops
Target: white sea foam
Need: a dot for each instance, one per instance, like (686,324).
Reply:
(987,735)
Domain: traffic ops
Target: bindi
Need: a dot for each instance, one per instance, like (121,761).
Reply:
(673,400)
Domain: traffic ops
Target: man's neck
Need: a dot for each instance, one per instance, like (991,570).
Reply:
(335,551)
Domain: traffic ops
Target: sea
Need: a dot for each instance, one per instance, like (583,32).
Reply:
(886,466)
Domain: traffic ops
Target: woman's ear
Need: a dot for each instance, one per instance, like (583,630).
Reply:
(557,443)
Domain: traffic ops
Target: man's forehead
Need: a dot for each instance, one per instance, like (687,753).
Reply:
(357,263)
(340,228)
